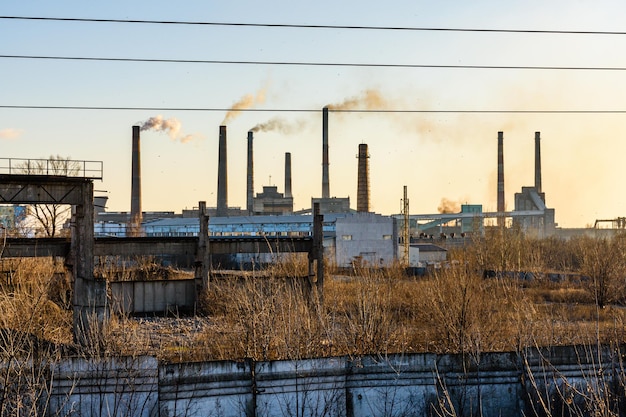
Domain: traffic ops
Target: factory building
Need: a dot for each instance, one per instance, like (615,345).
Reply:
(365,239)
(271,202)
(534,199)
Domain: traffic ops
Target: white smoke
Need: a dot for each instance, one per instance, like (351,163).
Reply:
(172,127)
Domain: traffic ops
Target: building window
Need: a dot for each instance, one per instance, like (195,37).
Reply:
(346,237)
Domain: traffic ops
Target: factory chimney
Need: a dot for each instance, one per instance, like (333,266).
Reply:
(500,179)
(222,179)
(135,192)
(250,182)
(538,163)
(363,180)
(325,163)
(288,175)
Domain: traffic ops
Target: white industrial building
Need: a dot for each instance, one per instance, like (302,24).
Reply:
(365,238)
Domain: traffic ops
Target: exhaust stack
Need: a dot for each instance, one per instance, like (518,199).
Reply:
(250,181)
(363,183)
(222,180)
(288,175)
(500,208)
(135,192)
(538,162)
(325,163)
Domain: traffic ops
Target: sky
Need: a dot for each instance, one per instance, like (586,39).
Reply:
(441,156)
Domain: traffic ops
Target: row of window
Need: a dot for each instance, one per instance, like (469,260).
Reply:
(349,237)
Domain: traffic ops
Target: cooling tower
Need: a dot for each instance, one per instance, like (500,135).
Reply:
(288,175)
(135,187)
(363,180)
(250,176)
(500,208)
(325,163)
(222,179)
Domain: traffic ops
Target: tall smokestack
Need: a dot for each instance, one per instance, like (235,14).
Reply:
(250,182)
(538,162)
(500,178)
(325,163)
(363,180)
(288,175)
(222,179)
(135,187)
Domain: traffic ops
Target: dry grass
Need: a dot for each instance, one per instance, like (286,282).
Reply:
(274,314)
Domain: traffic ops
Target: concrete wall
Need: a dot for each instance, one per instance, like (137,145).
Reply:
(107,387)
(538,382)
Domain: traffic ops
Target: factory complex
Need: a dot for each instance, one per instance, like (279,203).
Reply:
(349,235)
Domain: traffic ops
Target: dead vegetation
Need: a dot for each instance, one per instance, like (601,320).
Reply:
(274,314)
(538,293)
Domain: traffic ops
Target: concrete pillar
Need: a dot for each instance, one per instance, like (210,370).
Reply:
(90,295)
(202,253)
(317,250)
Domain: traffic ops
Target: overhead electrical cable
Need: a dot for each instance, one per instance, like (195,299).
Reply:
(321,64)
(311,26)
(284,110)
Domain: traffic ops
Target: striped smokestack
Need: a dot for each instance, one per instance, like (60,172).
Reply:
(325,163)
(135,187)
(222,179)
(363,180)
(538,162)
(500,178)
(250,176)
(288,175)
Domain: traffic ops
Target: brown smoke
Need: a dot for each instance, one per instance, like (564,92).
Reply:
(171,126)
(367,100)
(278,124)
(246,102)
(448,206)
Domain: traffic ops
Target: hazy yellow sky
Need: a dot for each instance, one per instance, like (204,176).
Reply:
(438,153)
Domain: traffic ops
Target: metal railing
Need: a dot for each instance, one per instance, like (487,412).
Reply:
(56,167)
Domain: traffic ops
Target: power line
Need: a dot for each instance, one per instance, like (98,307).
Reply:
(279,110)
(309,26)
(319,64)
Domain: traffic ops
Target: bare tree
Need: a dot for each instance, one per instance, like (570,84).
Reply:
(49,218)
(602,265)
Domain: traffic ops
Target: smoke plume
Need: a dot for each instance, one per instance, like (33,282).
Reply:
(278,124)
(171,126)
(246,102)
(367,100)
(448,206)
(10,133)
